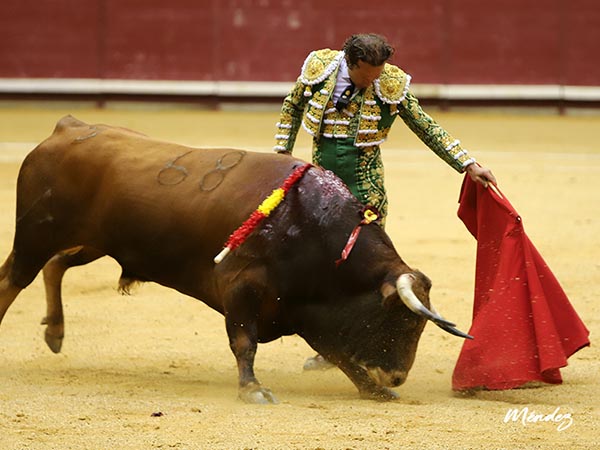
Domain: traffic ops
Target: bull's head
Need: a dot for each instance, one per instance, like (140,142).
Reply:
(389,352)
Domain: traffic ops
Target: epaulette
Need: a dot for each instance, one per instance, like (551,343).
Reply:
(319,64)
(392,85)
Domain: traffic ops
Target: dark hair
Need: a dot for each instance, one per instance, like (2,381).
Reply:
(370,48)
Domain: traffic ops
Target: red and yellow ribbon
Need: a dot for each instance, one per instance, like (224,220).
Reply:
(262,212)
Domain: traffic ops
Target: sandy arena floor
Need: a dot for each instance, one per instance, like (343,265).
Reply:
(126,358)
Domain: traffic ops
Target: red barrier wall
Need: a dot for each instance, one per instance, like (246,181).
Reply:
(437,41)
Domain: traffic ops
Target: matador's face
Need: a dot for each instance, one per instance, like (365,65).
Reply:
(363,74)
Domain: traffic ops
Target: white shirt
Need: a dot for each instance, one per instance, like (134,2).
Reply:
(343,80)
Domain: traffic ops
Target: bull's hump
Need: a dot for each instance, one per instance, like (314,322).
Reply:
(331,185)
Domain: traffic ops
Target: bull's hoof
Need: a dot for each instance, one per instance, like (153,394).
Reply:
(53,341)
(317,363)
(381,394)
(258,395)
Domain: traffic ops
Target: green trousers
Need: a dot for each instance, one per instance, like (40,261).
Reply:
(361,169)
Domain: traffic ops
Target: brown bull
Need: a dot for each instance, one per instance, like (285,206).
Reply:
(163,211)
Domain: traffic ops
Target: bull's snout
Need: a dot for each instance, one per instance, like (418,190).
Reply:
(388,379)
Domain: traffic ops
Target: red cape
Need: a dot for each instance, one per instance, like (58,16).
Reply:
(524,326)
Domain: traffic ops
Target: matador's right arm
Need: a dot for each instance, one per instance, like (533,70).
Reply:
(290,119)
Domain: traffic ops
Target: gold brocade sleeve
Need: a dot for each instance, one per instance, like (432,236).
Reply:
(290,118)
(433,135)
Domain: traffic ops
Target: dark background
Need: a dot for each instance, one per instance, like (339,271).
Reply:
(504,42)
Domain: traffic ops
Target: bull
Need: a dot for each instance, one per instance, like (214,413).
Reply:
(163,211)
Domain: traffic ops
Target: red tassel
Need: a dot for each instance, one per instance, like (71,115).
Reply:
(350,244)
(369,214)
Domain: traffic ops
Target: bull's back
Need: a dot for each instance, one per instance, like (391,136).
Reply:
(160,209)
(95,164)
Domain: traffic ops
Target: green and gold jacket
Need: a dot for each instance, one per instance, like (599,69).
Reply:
(363,124)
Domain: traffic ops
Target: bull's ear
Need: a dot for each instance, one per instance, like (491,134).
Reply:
(389,294)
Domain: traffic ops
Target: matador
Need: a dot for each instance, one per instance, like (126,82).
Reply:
(346,140)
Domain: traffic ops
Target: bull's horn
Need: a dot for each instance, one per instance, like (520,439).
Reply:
(451,330)
(404,286)
(408,297)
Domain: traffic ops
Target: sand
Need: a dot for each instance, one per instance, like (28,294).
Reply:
(153,370)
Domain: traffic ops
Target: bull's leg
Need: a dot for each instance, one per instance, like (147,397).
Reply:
(19,270)
(366,386)
(54,271)
(242,306)
(243,342)
(8,290)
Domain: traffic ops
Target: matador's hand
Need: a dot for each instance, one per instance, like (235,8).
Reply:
(481,174)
